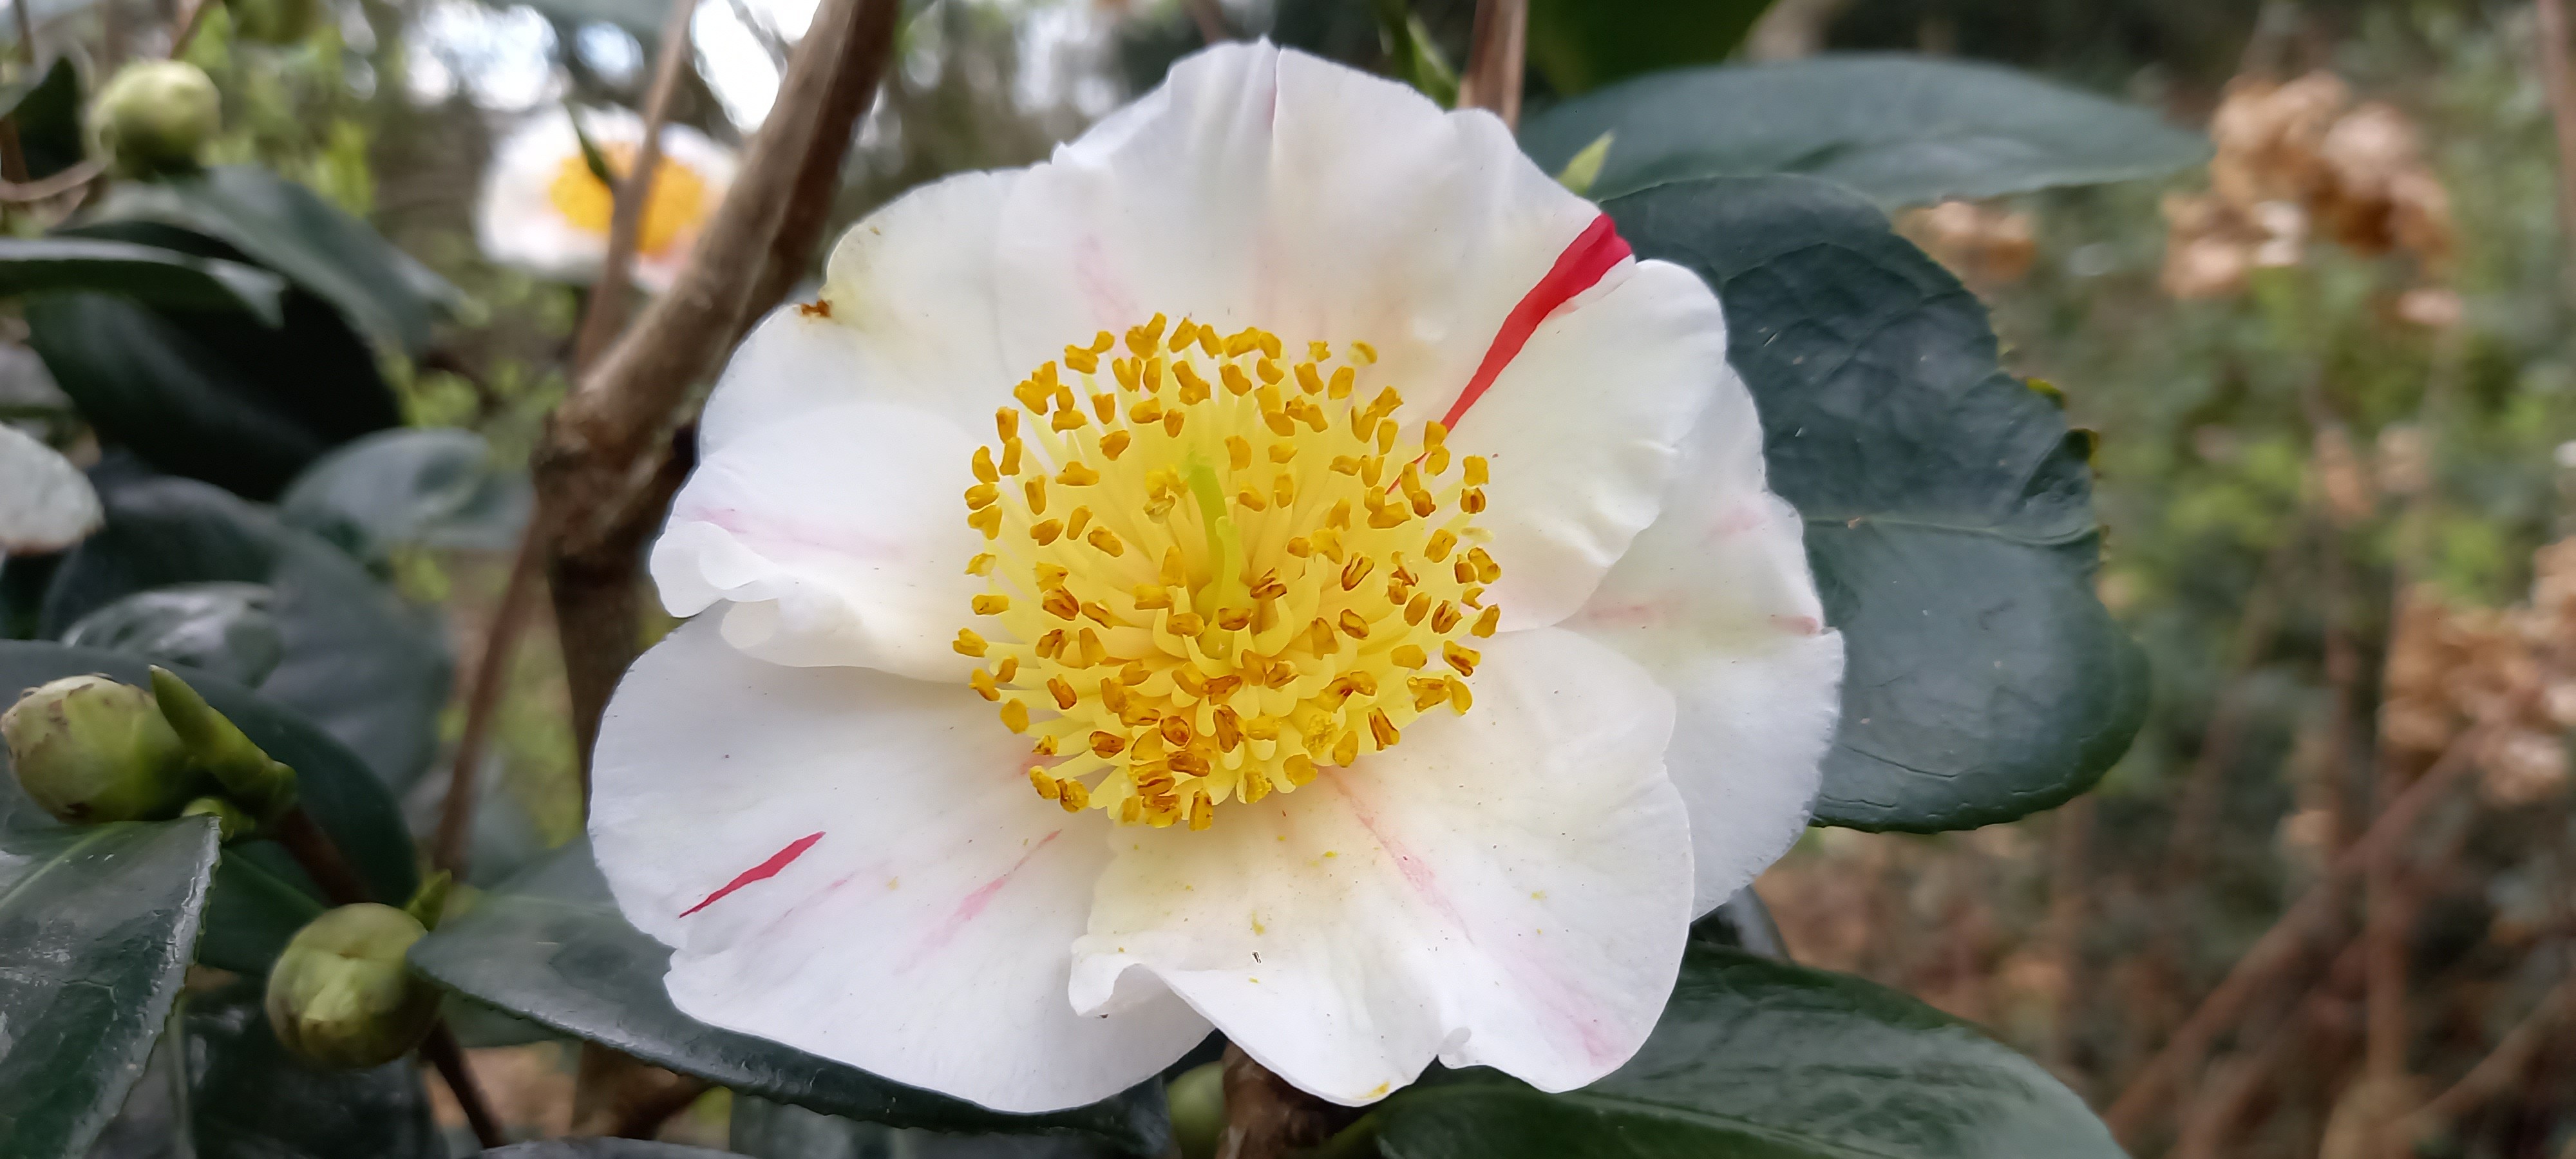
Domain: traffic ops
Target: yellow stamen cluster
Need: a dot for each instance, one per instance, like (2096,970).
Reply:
(1213,569)
(678,200)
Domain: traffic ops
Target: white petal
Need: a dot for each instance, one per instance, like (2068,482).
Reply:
(46,504)
(1715,599)
(1585,430)
(1508,888)
(840,539)
(1271,188)
(923,936)
(909,316)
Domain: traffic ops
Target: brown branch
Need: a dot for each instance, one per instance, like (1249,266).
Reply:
(26,31)
(46,189)
(608,462)
(1265,1118)
(2556,80)
(605,313)
(2210,1119)
(2280,946)
(1497,51)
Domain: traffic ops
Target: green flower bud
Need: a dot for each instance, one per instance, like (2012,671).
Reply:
(264,787)
(1197,1097)
(155,116)
(342,995)
(274,21)
(90,750)
(231,824)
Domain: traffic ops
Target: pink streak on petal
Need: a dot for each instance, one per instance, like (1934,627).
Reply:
(1593,254)
(761,872)
(1417,873)
(972,905)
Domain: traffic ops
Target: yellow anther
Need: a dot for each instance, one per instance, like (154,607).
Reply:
(1443,618)
(1300,770)
(1238,452)
(1234,619)
(1353,624)
(1268,371)
(1145,411)
(983,684)
(1192,384)
(1459,698)
(1045,746)
(1382,730)
(1107,541)
(1046,532)
(1107,744)
(1355,571)
(990,604)
(982,495)
(1308,380)
(1462,659)
(1007,670)
(1065,698)
(1472,501)
(1046,786)
(1006,424)
(1176,572)
(988,521)
(1417,608)
(1487,571)
(1094,653)
(1366,352)
(1153,596)
(1115,444)
(1188,624)
(1081,360)
(1173,422)
(1476,474)
(969,644)
(1011,457)
(1015,715)
(1437,548)
(1283,490)
(1408,656)
(1235,381)
(1077,474)
(1076,798)
(1486,622)
(1035,491)
(1074,523)
(981,565)
(983,465)
(1343,380)
(1346,749)
(1427,691)
(1251,499)
(1299,546)
(1049,576)
(1033,396)
(1060,604)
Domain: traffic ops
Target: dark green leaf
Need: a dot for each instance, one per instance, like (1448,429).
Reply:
(767,1130)
(1902,130)
(1580,45)
(355,659)
(249,1099)
(212,394)
(260,896)
(48,111)
(550,946)
(143,273)
(1949,510)
(601,1149)
(1742,922)
(290,229)
(432,488)
(1758,1060)
(96,925)
(229,629)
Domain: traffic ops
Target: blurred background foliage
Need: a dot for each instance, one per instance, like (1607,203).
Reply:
(2332,378)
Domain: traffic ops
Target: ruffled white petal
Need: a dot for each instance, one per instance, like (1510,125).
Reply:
(1508,888)
(1716,600)
(922,936)
(516,221)
(839,539)
(1585,429)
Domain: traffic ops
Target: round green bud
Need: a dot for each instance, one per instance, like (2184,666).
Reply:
(274,21)
(155,116)
(1197,1097)
(90,750)
(342,995)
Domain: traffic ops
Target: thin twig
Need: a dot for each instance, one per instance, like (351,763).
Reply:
(1210,21)
(2556,80)
(188,26)
(443,1052)
(26,31)
(2502,1068)
(67,181)
(2209,1120)
(2280,945)
(453,844)
(1265,1118)
(1497,51)
(606,312)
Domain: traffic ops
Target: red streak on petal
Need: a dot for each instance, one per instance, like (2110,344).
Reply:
(1579,268)
(761,872)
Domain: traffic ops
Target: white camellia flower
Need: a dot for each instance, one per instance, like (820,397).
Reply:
(1280,565)
(544,211)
